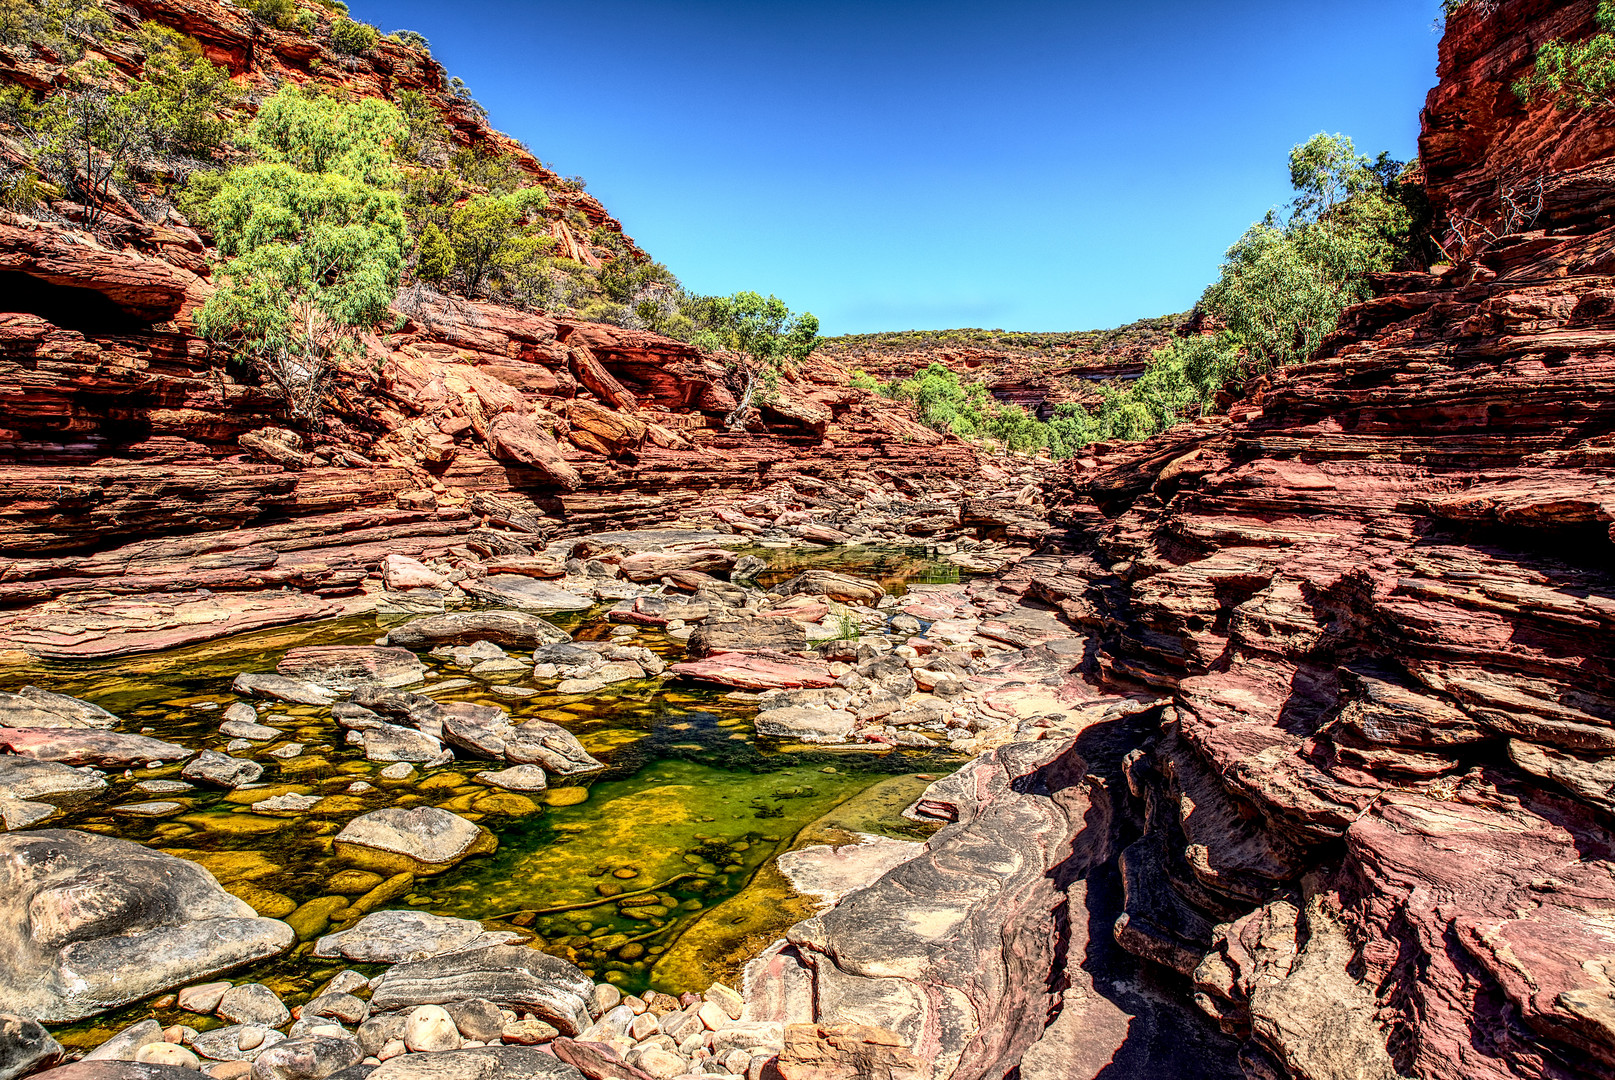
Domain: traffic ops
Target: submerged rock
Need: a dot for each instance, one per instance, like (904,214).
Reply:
(347,667)
(395,937)
(32,707)
(89,922)
(515,629)
(420,840)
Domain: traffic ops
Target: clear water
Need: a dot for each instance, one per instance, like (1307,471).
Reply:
(671,847)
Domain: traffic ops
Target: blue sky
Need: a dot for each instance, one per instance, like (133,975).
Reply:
(894,165)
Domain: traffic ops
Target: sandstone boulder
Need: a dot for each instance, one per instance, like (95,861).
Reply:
(90,923)
(344,668)
(419,840)
(747,635)
(30,778)
(514,629)
(512,977)
(842,587)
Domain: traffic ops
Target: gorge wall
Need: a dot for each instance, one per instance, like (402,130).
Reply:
(138,467)
(1378,598)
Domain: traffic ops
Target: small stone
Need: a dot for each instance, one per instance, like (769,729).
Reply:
(163,787)
(253,1003)
(727,999)
(391,1049)
(643,1027)
(713,1015)
(430,1029)
(527,1033)
(659,1063)
(167,1053)
(605,997)
(477,1019)
(401,770)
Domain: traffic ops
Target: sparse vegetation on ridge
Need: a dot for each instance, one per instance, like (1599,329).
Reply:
(1281,290)
(1576,74)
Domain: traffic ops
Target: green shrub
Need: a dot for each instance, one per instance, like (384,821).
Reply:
(313,237)
(1580,74)
(353,38)
(281,14)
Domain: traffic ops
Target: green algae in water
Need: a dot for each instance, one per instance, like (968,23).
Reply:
(895,568)
(687,815)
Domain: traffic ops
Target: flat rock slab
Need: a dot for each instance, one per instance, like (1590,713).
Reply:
(30,778)
(512,977)
(828,873)
(87,746)
(648,539)
(21,814)
(753,671)
(33,707)
(281,688)
(89,922)
(420,840)
(516,629)
(396,937)
(347,667)
(478,1063)
(525,593)
(124,625)
(806,724)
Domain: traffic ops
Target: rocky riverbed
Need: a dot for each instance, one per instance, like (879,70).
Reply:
(544,797)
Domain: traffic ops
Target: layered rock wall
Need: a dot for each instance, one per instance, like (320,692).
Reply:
(1379,597)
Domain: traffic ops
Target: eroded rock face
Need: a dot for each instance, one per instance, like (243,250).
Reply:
(91,923)
(419,840)
(509,976)
(1379,597)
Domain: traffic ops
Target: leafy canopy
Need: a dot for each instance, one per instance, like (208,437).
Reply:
(760,330)
(314,238)
(1578,74)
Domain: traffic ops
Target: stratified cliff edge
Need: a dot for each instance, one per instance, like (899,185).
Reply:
(1357,780)
(138,467)
(1380,599)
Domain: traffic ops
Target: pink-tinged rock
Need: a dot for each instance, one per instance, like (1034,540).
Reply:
(757,671)
(654,565)
(519,437)
(803,609)
(86,746)
(123,625)
(400,572)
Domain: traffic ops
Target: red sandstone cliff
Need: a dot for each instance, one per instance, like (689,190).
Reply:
(137,466)
(1379,597)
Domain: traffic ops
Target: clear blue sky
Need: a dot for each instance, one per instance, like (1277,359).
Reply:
(893,165)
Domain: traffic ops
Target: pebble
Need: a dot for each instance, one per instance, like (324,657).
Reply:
(202,998)
(253,1003)
(167,1053)
(430,1029)
(528,1032)
(401,770)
